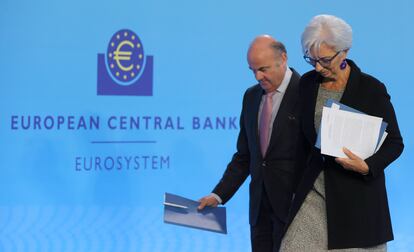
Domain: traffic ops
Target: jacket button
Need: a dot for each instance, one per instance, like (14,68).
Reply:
(264,163)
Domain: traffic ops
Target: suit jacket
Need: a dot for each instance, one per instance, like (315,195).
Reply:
(276,171)
(356,205)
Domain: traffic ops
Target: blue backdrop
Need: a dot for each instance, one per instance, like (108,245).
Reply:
(85,169)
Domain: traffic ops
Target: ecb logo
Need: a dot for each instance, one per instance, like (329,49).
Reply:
(125,70)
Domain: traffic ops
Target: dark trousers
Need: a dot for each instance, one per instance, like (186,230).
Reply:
(266,234)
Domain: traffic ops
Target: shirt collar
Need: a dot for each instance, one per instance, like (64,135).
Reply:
(285,82)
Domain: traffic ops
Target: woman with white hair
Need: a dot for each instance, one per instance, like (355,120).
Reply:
(341,203)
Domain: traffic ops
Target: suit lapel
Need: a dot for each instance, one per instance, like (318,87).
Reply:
(308,96)
(287,105)
(257,98)
(352,85)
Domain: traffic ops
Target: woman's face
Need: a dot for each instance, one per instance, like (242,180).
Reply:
(327,61)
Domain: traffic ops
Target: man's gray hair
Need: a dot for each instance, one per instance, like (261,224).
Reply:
(328,29)
(279,49)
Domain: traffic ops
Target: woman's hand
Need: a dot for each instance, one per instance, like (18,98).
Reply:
(353,162)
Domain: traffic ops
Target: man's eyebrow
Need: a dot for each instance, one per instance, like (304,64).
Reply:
(261,67)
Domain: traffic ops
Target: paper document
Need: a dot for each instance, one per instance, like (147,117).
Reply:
(181,211)
(381,140)
(355,131)
(337,105)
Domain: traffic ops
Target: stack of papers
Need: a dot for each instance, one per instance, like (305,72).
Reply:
(343,126)
(181,211)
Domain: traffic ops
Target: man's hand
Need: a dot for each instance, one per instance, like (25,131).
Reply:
(207,201)
(353,162)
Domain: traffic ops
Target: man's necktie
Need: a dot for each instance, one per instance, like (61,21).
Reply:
(264,124)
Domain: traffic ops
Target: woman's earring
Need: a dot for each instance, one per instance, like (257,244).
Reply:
(343,65)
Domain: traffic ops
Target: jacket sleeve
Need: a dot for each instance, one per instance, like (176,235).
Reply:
(238,168)
(393,144)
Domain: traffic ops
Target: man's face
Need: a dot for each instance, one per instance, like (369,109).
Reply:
(268,69)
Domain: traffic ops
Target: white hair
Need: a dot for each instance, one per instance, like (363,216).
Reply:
(328,29)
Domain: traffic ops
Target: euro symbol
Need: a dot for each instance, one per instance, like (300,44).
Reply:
(123,55)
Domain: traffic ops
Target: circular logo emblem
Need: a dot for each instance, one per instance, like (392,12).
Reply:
(125,57)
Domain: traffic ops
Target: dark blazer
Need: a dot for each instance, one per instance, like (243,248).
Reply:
(276,171)
(356,205)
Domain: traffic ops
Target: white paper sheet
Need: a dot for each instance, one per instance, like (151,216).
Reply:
(357,132)
(381,141)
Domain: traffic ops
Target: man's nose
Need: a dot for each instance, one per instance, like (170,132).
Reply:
(258,75)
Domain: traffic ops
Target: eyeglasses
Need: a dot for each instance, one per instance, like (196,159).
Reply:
(325,61)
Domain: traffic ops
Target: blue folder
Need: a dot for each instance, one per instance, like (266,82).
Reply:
(181,211)
(329,103)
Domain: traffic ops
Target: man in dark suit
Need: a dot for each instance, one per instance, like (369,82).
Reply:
(266,145)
